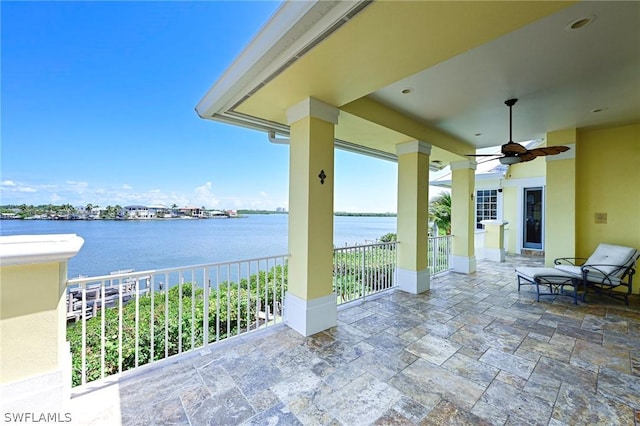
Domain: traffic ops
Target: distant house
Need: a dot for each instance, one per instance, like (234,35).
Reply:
(231,213)
(196,212)
(137,212)
(159,211)
(96,212)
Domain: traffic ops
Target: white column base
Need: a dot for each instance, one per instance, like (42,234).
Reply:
(463,264)
(309,317)
(46,393)
(494,254)
(414,282)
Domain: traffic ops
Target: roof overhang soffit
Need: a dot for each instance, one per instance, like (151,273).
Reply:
(295,28)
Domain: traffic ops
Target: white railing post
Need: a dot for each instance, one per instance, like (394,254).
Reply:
(363,276)
(205,307)
(95,299)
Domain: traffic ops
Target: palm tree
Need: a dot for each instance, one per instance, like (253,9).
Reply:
(440,211)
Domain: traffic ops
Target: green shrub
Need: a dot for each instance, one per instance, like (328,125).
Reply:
(227,317)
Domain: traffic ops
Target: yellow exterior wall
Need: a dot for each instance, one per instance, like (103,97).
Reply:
(608,176)
(31,297)
(560,205)
(534,168)
(413,210)
(311,208)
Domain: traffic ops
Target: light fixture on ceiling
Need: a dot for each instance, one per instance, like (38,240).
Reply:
(407,90)
(580,23)
(509,160)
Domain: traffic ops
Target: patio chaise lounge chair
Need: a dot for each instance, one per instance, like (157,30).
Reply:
(609,267)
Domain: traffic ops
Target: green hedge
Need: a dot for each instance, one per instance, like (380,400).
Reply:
(227,318)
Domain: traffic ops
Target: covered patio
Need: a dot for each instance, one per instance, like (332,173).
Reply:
(471,350)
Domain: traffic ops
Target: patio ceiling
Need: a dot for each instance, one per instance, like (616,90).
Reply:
(459,60)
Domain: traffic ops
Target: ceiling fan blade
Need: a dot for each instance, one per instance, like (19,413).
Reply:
(549,150)
(527,156)
(513,148)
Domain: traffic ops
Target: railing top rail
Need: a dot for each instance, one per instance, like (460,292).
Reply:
(366,245)
(442,236)
(146,273)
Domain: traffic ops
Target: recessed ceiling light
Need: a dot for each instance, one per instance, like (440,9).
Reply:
(407,90)
(579,23)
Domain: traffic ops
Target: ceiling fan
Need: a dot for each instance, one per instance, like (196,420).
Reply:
(513,153)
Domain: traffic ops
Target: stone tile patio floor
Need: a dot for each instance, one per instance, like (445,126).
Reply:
(471,351)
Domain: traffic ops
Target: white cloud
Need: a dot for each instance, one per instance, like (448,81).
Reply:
(205,196)
(80,193)
(11,186)
(77,184)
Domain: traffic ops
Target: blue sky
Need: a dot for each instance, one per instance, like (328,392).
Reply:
(98,107)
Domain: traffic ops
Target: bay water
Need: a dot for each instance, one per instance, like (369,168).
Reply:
(167,243)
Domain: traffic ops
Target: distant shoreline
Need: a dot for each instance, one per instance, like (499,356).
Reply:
(364,214)
(240,216)
(90,212)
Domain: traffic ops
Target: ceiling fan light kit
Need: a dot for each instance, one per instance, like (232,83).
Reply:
(509,160)
(513,153)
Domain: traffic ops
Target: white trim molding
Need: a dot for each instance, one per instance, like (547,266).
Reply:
(312,107)
(466,164)
(414,282)
(412,147)
(494,254)
(309,317)
(30,249)
(291,31)
(463,264)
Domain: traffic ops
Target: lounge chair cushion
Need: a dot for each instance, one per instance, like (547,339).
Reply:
(609,260)
(550,274)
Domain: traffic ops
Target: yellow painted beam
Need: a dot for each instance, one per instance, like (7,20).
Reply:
(375,112)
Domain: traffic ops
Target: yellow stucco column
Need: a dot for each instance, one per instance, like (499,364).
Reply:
(494,240)
(560,206)
(310,304)
(413,216)
(35,363)
(463,225)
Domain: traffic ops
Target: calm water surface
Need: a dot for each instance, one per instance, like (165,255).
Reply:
(157,244)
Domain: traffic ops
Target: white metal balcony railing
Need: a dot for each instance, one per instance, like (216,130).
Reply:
(360,271)
(128,319)
(439,254)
